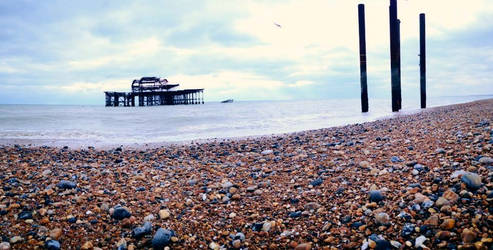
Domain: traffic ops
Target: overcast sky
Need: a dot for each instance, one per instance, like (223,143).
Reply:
(68,52)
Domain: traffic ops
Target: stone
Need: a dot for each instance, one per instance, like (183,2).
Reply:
(16,239)
(382,219)
(121,244)
(407,230)
(120,213)
(24,215)
(4,246)
(419,242)
(266,226)
(236,243)
(162,238)
(443,235)
(486,160)
(56,233)
(364,164)
(149,217)
(440,151)
(213,245)
(317,182)
(64,184)
(448,224)
(432,221)
(472,180)
(164,213)
(251,188)
(468,236)
(266,152)
(140,232)
(304,246)
(226,184)
(395,244)
(457,173)
(441,202)
(420,198)
(395,159)
(239,236)
(52,245)
(451,196)
(375,196)
(87,245)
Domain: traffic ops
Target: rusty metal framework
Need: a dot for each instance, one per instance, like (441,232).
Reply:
(152,91)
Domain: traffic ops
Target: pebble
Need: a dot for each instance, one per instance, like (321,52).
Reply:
(162,238)
(164,213)
(382,219)
(120,213)
(52,245)
(395,244)
(266,226)
(64,184)
(364,164)
(432,221)
(375,196)
(149,217)
(472,180)
(4,246)
(486,160)
(441,202)
(16,239)
(213,245)
(140,232)
(24,215)
(407,230)
(468,236)
(56,233)
(440,151)
(304,246)
(266,152)
(448,224)
(316,182)
(451,196)
(236,243)
(87,245)
(419,242)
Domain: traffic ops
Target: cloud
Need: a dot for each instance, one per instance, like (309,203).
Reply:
(233,49)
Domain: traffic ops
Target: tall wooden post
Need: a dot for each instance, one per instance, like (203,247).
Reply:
(394,55)
(422,58)
(362,58)
(399,92)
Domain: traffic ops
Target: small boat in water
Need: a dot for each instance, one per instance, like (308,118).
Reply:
(227,101)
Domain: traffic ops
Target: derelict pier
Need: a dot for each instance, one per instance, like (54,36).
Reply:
(152,91)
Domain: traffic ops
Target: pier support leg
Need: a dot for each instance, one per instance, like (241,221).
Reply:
(394,55)
(362,56)
(422,58)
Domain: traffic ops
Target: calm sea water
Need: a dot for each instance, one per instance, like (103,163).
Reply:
(98,125)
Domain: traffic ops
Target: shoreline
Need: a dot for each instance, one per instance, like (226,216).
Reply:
(423,180)
(99,145)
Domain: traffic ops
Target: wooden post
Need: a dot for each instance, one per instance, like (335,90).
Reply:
(362,58)
(399,92)
(394,55)
(422,58)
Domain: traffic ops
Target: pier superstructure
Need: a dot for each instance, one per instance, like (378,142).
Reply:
(152,91)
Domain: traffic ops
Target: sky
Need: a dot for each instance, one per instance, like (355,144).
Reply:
(70,52)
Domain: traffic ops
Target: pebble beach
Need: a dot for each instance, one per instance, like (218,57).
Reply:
(418,181)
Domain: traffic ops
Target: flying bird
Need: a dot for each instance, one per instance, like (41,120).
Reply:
(278,25)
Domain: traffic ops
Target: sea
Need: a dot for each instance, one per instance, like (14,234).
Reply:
(99,126)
